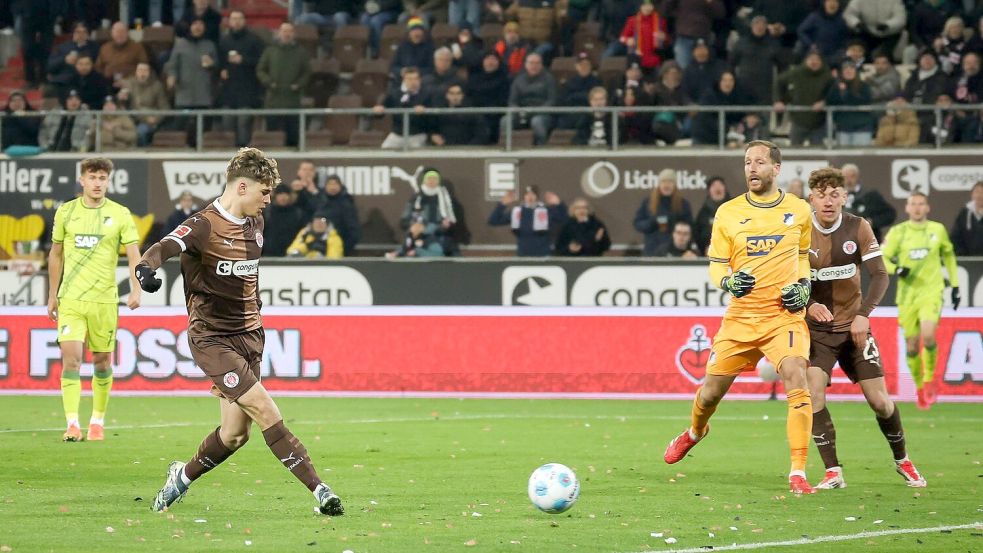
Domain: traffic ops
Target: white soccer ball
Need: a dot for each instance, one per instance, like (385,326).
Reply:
(553,488)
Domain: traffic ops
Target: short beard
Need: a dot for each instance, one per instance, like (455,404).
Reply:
(767,186)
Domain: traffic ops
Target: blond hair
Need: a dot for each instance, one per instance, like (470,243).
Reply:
(252,163)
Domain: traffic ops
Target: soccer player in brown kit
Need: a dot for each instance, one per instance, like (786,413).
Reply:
(838,322)
(220,248)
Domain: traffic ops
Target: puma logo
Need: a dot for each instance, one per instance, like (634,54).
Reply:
(814,252)
(228,242)
(821,437)
(745,220)
(296,461)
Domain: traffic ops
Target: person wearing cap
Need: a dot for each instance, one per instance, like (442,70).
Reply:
(19,129)
(376,14)
(533,88)
(416,49)
(533,221)
(694,20)
(658,214)
(924,87)
(184,208)
(118,132)
(434,207)
(805,85)
(68,129)
(200,9)
(576,90)
(91,86)
(853,128)
(489,88)
(284,69)
(644,37)
(703,72)
(755,58)
(512,48)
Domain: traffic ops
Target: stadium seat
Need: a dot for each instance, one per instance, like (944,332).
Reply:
(342,126)
(612,70)
(158,40)
(443,34)
(366,139)
(563,68)
(308,38)
(319,140)
(370,81)
(590,28)
(170,140)
(218,140)
(521,139)
(392,35)
(268,139)
(561,137)
(594,46)
(324,80)
(349,45)
(490,33)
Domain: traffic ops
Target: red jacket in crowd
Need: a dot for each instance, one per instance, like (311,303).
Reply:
(647,45)
(513,56)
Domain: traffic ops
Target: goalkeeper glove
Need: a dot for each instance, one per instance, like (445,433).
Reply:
(795,296)
(739,284)
(955,298)
(145,276)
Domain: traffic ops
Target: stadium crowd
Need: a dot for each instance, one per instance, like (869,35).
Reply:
(528,54)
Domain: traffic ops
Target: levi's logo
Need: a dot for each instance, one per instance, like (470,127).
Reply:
(86,241)
(762,245)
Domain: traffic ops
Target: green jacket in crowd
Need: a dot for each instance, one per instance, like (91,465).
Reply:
(800,86)
(284,70)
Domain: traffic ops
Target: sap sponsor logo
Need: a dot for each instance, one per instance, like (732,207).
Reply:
(237,268)
(540,285)
(604,177)
(204,179)
(163,354)
(909,175)
(119,179)
(918,254)
(501,176)
(626,286)
(762,245)
(965,362)
(841,272)
(372,180)
(87,241)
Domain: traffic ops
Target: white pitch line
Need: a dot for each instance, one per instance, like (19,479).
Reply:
(822,539)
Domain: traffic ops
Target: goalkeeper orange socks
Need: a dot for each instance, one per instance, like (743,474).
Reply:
(799,427)
(701,416)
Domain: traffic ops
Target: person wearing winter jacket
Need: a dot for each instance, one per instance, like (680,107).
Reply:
(532,221)
(694,20)
(723,93)
(899,127)
(825,30)
(583,234)
(885,81)
(19,128)
(755,58)
(118,132)
(967,228)
(338,207)
(644,37)
(318,240)
(657,215)
(923,88)
(878,22)
(853,128)
(717,194)
(489,87)
(185,208)
(805,85)
(434,206)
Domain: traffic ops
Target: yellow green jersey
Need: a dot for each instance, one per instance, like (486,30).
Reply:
(922,248)
(91,238)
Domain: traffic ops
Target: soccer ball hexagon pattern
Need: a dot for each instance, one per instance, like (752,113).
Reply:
(553,488)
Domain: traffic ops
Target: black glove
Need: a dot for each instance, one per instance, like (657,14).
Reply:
(146,278)
(795,296)
(955,298)
(902,271)
(738,284)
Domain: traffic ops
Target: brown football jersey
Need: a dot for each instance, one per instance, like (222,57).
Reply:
(220,265)
(835,256)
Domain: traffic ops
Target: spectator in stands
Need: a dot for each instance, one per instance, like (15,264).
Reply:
(637,125)
(950,46)
(576,89)
(417,243)
(866,202)
(61,64)
(966,85)
(68,129)
(681,245)
(533,88)
(326,13)
(706,124)
(755,58)
(538,22)
(595,129)
(899,127)
(975,43)
(644,37)
(184,208)
(464,129)
(923,88)
(339,209)
(34,23)
(805,85)
(489,88)
(144,91)
(410,94)
(416,50)
(238,55)
(752,127)
(189,73)
(318,240)
(825,30)
(583,234)
(91,86)
(200,9)
(512,49)
(856,53)
(668,126)
(703,73)
(433,206)
(464,12)
(796,187)
(967,229)
(283,220)
(659,213)
(19,128)
(376,14)
(284,69)
(717,194)
(467,50)
(878,22)
(118,132)
(613,15)
(531,221)
(119,57)
(443,76)
(694,20)
(927,20)
(853,128)
(784,17)
(307,195)
(885,81)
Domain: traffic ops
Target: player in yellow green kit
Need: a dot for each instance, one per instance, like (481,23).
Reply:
(759,252)
(82,297)
(915,250)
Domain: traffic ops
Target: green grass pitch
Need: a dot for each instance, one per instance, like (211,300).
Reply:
(450,475)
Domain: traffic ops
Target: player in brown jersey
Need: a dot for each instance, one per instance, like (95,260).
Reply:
(838,322)
(220,248)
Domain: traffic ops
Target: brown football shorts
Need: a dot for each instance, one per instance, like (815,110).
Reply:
(826,348)
(231,361)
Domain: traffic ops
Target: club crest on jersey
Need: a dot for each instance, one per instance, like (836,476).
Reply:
(107,221)
(86,241)
(849,247)
(788,219)
(259,239)
(181,231)
(762,245)
(231,380)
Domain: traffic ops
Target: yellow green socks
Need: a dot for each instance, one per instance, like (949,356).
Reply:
(102,382)
(71,393)
(915,366)
(929,356)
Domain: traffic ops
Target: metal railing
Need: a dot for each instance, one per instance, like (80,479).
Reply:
(508,128)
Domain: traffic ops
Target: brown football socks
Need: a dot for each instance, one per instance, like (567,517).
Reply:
(894,434)
(292,454)
(210,454)
(824,434)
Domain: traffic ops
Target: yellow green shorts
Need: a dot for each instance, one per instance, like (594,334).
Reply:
(911,315)
(93,323)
